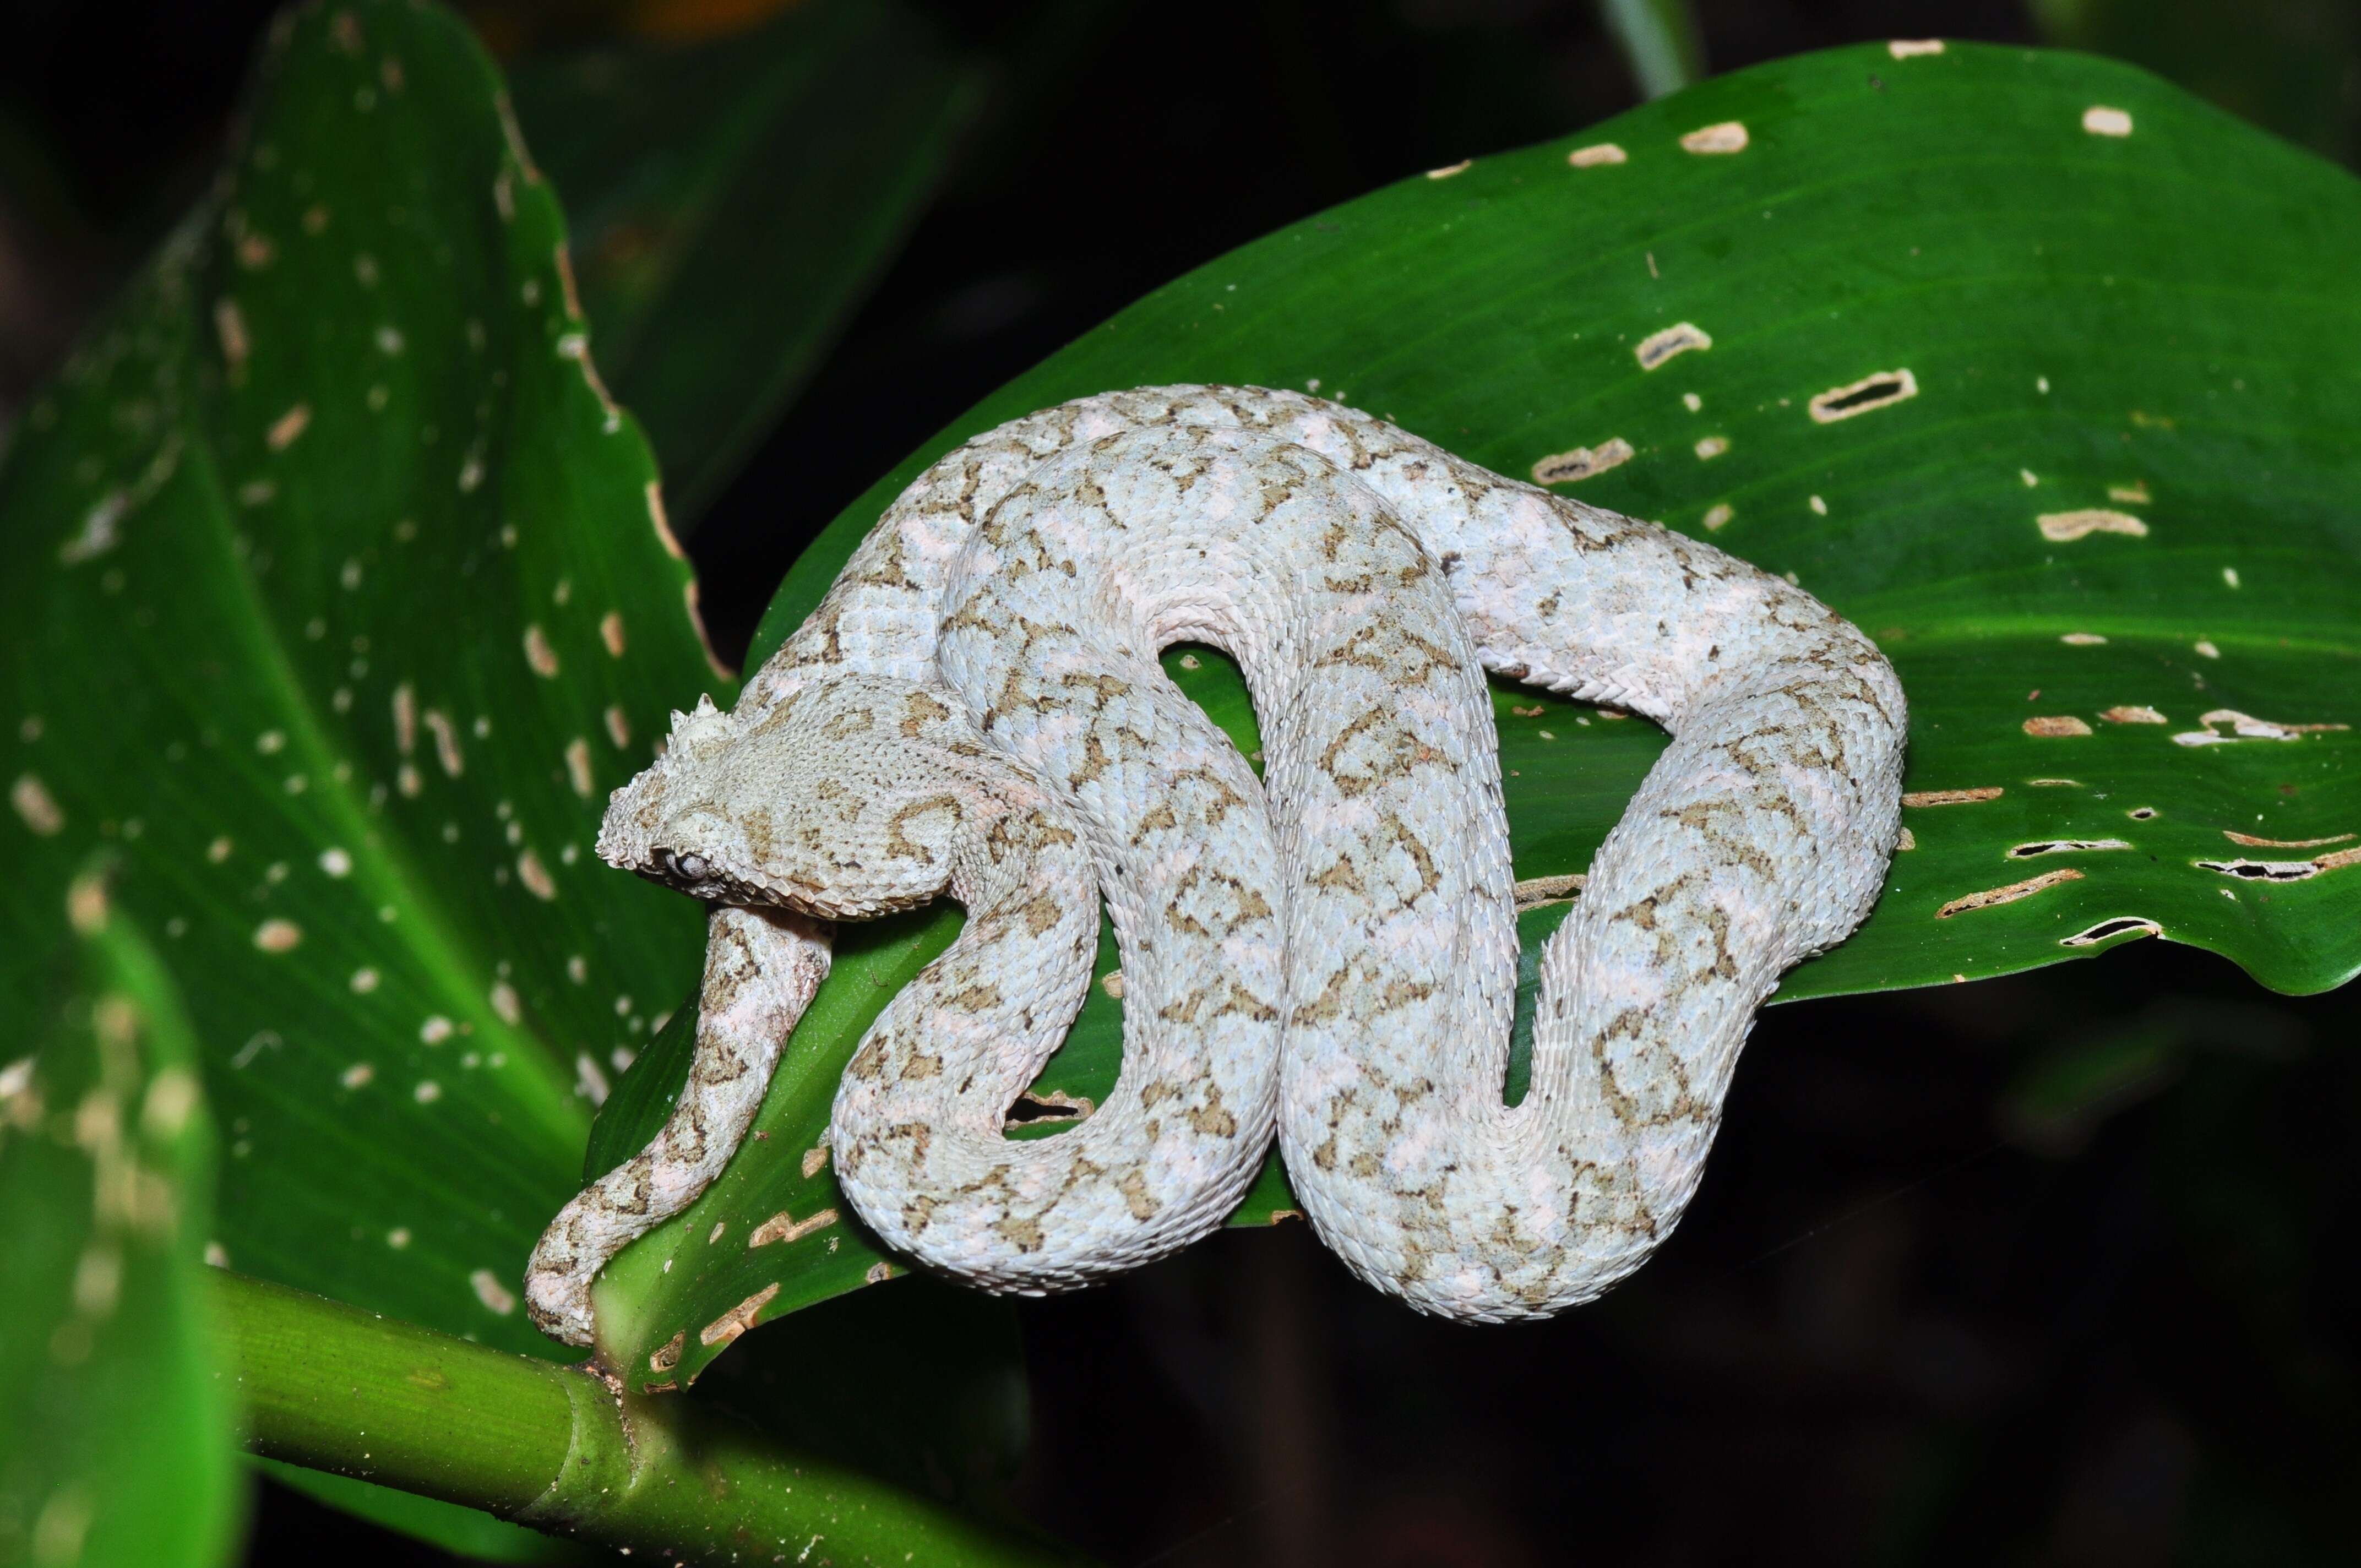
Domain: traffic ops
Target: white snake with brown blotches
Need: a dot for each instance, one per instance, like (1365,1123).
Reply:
(1023,586)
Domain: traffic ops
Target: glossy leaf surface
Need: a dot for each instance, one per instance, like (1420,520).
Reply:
(2034,367)
(337,600)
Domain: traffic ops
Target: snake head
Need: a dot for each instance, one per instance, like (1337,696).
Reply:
(668,824)
(841,802)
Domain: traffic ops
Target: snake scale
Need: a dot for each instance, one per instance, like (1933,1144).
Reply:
(976,706)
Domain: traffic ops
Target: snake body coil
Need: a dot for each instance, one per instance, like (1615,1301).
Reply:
(1359,575)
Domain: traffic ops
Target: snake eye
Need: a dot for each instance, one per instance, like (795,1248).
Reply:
(690,866)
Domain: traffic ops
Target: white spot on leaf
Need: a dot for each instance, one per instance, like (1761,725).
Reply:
(1582,463)
(2246,727)
(229,326)
(784,1227)
(36,805)
(738,1319)
(1876,390)
(491,1293)
(446,741)
(1952,796)
(2254,843)
(1659,346)
(2108,930)
(2008,894)
(577,766)
(1730,136)
(2064,847)
(287,427)
(2065,527)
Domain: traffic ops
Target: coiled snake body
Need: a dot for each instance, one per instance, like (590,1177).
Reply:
(978,694)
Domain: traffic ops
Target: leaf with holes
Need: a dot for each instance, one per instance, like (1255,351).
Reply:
(2033,365)
(734,202)
(117,1448)
(338,600)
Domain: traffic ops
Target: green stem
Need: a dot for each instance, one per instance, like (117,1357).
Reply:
(1659,39)
(333,1388)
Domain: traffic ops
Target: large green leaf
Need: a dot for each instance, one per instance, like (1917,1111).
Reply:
(2117,477)
(732,202)
(337,600)
(118,1436)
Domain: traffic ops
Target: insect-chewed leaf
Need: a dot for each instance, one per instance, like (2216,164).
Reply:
(2030,363)
(337,600)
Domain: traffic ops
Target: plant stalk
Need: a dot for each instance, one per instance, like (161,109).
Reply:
(336,1388)
(1660,42)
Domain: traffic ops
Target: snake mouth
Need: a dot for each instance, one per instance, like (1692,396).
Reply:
(702,878)
(697,876)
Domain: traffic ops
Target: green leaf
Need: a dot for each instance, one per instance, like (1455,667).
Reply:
(117,1438)
(338,600)
(2152,325)
(734,201)
(462,1531)
(772,1235)
(2158,325)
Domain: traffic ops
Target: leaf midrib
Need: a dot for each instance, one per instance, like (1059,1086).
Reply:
(377,864)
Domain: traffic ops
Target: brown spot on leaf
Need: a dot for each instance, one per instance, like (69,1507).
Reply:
(738,1319)
(2065,527)
(1582,462)
(1658,347)
(1952,796)
(1875,390)
(2108,930)
(2009,894)
(784,1226)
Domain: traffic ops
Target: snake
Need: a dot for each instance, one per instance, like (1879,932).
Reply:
(1353,914)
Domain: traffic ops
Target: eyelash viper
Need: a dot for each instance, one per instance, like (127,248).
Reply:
(1023,586)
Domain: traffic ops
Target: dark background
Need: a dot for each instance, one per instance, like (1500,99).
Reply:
(1928,1307)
